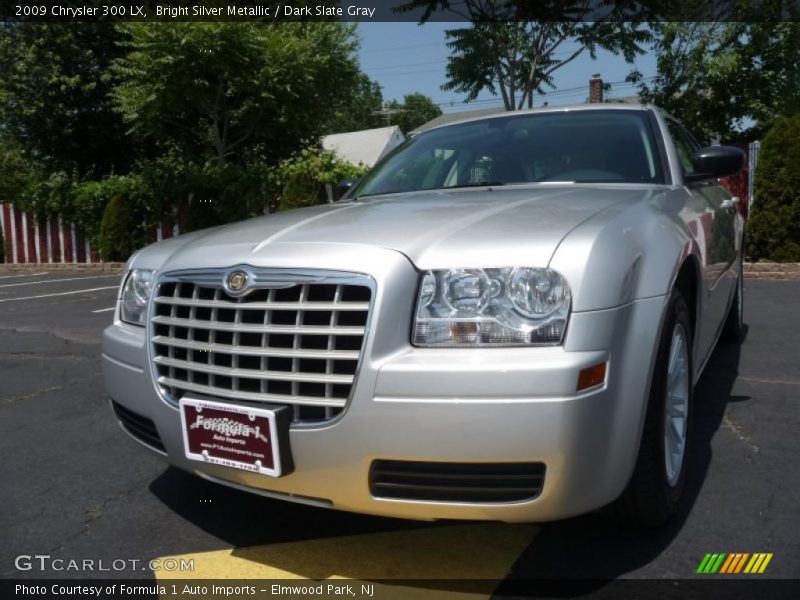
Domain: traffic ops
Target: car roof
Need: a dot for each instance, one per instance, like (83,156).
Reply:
(550,109)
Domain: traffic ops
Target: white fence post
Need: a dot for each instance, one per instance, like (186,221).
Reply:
(61,240)
(752,163)
(25,258)
(74,240)
(3,230)
(48,234)
(14,257)
(37,240)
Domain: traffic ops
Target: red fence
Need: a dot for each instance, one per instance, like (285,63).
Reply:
(32,240)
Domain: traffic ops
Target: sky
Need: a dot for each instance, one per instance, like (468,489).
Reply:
(406,57)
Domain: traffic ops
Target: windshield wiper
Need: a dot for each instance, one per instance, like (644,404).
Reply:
(449,187)
(475,184)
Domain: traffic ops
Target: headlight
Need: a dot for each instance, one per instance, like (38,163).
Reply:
(491,307)
(135,295)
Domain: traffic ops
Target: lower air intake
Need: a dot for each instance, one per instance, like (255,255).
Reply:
(142,428)
(456,482)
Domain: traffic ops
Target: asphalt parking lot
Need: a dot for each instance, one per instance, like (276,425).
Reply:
(74,486)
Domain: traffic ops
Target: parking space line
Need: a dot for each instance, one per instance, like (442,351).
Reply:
(104,309)
(57,280)
(109,287)
(479,551)
(24,275)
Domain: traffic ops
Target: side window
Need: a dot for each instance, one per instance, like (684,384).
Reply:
(684,145)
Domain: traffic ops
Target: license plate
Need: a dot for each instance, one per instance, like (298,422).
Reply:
(241,437)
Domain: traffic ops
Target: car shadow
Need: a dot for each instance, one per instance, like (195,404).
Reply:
(592,548)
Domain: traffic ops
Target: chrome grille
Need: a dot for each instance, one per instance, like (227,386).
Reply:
(295,339)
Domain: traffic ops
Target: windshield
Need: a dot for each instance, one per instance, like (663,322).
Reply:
(598,146)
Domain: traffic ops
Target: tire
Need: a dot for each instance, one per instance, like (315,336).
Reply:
(733,330)
(654,491)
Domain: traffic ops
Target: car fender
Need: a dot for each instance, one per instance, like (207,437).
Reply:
(629,251)
(628,256)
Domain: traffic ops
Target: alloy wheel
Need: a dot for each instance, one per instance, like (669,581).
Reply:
(676,405)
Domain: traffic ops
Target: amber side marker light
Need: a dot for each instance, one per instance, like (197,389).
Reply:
(591,376)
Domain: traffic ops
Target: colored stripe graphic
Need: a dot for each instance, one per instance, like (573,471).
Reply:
(734,562)
(741,562)
(764,564)
(703,563)
(758,563)
(715,567)
(711,563)
(728,563)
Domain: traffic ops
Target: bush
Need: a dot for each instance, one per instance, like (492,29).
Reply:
(84,202)
(50,194)
(89,199)
(302,178)
(119,234)
(18,173)
(302,190)
(774,229)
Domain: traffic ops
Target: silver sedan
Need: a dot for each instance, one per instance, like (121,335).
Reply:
(503,320)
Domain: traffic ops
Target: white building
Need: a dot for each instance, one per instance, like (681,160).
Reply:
(366,146)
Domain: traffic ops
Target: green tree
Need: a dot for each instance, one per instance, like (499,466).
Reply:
(88,202)
(727,78)
(356,106)
(50,193)
(54,89)
(229,93)
(119,234)
(415,110)
(513,48)
(774,228)
(16,172)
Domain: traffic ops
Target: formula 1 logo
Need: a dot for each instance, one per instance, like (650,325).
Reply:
(228,427)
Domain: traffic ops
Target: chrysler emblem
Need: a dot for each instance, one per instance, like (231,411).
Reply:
(236,282)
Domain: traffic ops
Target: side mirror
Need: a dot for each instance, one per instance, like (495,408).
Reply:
(716,161)
(343,187)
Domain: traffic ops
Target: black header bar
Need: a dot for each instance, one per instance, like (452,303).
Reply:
(413,11)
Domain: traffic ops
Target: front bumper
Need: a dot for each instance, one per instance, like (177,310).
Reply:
(448,405)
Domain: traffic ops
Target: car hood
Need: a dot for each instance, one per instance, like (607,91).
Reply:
(435,229)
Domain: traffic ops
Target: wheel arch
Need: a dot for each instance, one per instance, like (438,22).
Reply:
(686,278)
(688,281)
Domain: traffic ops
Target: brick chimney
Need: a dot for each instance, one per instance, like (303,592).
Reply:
(596,89)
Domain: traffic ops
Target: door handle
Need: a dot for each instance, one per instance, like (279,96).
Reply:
(730,202)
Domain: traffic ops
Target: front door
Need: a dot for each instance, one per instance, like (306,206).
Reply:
(714,226)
